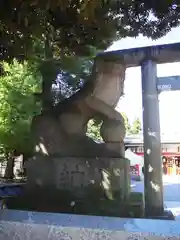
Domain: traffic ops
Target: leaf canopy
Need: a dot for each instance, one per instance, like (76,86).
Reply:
(79,26)
(17,105)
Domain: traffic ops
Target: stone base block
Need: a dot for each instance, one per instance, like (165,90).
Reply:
(93,203)
(24,225)
(78,174)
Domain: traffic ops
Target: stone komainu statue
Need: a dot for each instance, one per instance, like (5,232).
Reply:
(63,132)
(65,158)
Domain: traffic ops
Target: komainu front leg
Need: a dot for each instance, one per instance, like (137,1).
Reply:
(104,109)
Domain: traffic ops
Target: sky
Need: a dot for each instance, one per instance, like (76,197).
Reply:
(169,102)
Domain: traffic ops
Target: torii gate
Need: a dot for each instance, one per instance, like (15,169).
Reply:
(148,58)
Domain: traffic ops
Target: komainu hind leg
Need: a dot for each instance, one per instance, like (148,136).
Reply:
(113,133)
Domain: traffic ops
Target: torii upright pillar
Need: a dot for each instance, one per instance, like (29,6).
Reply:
(152,141)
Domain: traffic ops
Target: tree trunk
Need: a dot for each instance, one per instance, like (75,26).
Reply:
(46,88)
(49,73)
(9,172)
(25,159)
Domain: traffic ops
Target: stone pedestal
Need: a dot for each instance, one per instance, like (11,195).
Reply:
(81,185)
(78,174)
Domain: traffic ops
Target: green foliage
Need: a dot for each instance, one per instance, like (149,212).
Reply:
(93,130)
(17,105)
(76,26)
(126,122)
(61,77)
(73,73)
(136,126)
(93,127)
(59,31)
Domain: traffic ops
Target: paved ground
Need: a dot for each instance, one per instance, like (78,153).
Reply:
(171,193)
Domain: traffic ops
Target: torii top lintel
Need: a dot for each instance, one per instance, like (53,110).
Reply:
(133,57)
